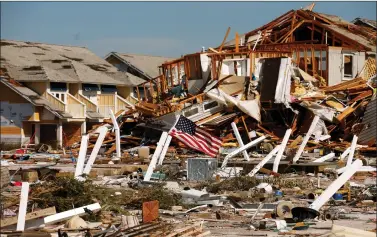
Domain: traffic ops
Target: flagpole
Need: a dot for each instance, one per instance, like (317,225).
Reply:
(175,123)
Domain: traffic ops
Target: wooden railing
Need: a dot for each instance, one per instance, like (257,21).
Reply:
(90,106)
(58,104)
(133,100)
(105,103)
(75,107)
(122,104)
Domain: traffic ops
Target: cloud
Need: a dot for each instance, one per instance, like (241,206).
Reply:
(150,46)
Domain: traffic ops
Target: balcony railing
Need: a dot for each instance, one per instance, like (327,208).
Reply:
(90,106)
(75,107)
(122,104)
(57,103)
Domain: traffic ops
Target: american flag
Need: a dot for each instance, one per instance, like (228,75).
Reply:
(187,132)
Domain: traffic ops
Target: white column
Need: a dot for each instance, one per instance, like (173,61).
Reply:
(264,161)
(82,155)
(306,139)
(83,127)
(59,134)
(155,156)
(345,153)
(352,150)
(281,151)
(164,150)
(102,133)
(241,149)
(23,206)
(334,186)
(117,134)
(37,130)
(239,140)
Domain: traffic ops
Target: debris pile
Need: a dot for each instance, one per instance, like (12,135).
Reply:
(249,143)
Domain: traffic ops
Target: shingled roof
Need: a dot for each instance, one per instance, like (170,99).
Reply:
(27,61)
(146,64)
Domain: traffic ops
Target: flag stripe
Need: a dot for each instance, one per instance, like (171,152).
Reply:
(195,143)
(187,132)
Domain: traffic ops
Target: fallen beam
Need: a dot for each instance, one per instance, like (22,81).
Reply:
(62,216)
(239,140)
(155,156)
(82,155)
(117,134)
(326,157)
(23,207)
(352,150)
(306,139)
(281,151)
(29,216)
(264,161)
(164,150)
(241,149)
(97,146)
(345,153)
(336,185)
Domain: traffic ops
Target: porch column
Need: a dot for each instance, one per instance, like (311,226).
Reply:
(83,127)
(59,134)
(37,136)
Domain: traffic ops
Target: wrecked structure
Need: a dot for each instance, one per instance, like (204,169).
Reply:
(269,134)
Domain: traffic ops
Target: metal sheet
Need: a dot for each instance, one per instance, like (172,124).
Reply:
(201,168)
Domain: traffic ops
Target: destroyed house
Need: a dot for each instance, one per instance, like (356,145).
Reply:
(141,67)
(270,74)
(79,87)
(324,46)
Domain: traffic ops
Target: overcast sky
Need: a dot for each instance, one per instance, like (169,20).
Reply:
(154,28)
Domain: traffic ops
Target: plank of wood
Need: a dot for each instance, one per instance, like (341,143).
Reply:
(237,39)
(345,113)
(23,206)
(29,216)
(225,37)
(178,231)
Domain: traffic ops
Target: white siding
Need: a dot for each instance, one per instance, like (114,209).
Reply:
(336,64)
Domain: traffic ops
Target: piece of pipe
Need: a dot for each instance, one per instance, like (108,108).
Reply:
(336,185)
(102,133)
(281,151)
(241,149)
(239,140)
(264,161)
(82,155)
(23,206)
(164,150)
(117,134)
(306,139)
(345,153)
(155,156)
(326,157)
(352,151)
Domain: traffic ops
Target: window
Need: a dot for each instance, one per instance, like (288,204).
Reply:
(347,66)
(90,87)
(57,86)
(191,112)
(108,88)
(210,105)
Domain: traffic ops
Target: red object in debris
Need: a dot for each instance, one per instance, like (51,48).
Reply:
(150,211)
(17,183)
(20,151)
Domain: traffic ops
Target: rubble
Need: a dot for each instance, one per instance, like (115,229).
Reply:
(259,144)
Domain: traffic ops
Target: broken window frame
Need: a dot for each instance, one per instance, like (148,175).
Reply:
(349,76)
